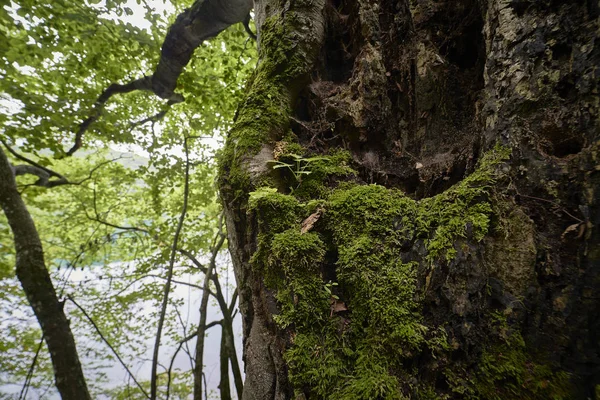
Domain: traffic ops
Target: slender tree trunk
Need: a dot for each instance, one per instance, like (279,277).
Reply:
(35,280)
(444,242)
(199,353)
(227,325)
(224,386)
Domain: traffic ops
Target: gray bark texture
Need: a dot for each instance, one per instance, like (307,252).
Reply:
(418,94)
(35,280)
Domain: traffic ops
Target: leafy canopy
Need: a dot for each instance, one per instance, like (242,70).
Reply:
(56,58)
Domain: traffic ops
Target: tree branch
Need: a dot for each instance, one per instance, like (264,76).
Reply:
(144,83)
(203,20)
(107,343)
(163,310)
(36,169)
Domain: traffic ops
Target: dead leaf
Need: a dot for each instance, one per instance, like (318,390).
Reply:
(427,280)
(337,306)
(309,222)
(279,149)
(573,228)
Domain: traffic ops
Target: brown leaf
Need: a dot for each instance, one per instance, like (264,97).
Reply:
(337,306)
(572,228)
(309,222)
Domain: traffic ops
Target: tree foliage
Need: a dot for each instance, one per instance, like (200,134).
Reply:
(107,228)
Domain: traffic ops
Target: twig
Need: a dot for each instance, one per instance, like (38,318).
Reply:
(181,343)
(163,310)
(194,260)
(29,376)
(34,168)
(108,344)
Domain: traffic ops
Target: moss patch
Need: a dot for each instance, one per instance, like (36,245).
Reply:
(359,341)
(263,117)
(507,369)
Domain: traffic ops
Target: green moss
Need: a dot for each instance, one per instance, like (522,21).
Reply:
(296,258)
(365,227)
(275,211)
(463,210)
(263,117)
(313,185)
(371,380)
(363,354)
(299,254)
(508,371)
(317,362)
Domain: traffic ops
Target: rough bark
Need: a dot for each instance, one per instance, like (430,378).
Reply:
(35,280)
(291,34)
(486,267)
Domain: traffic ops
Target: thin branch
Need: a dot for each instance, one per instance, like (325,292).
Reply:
(97,167)
(36,169)
(44,174)
(31,162)
(144,83)
(233,301)
(199,370)
(194,260)
(153,118)
(99,220)
(107,343)
(29,376)
(163,310)
(181,343)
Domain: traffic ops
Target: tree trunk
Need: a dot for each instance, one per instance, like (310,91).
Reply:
(224,385)
(412,199)
(35,280)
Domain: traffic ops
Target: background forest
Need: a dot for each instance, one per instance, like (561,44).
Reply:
(138,202)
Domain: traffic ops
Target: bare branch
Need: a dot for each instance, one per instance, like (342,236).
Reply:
(144,83)
(181,343)
(36,169)
(108,344)
(194,260)
(163,311)
(44,174)
(27,383)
